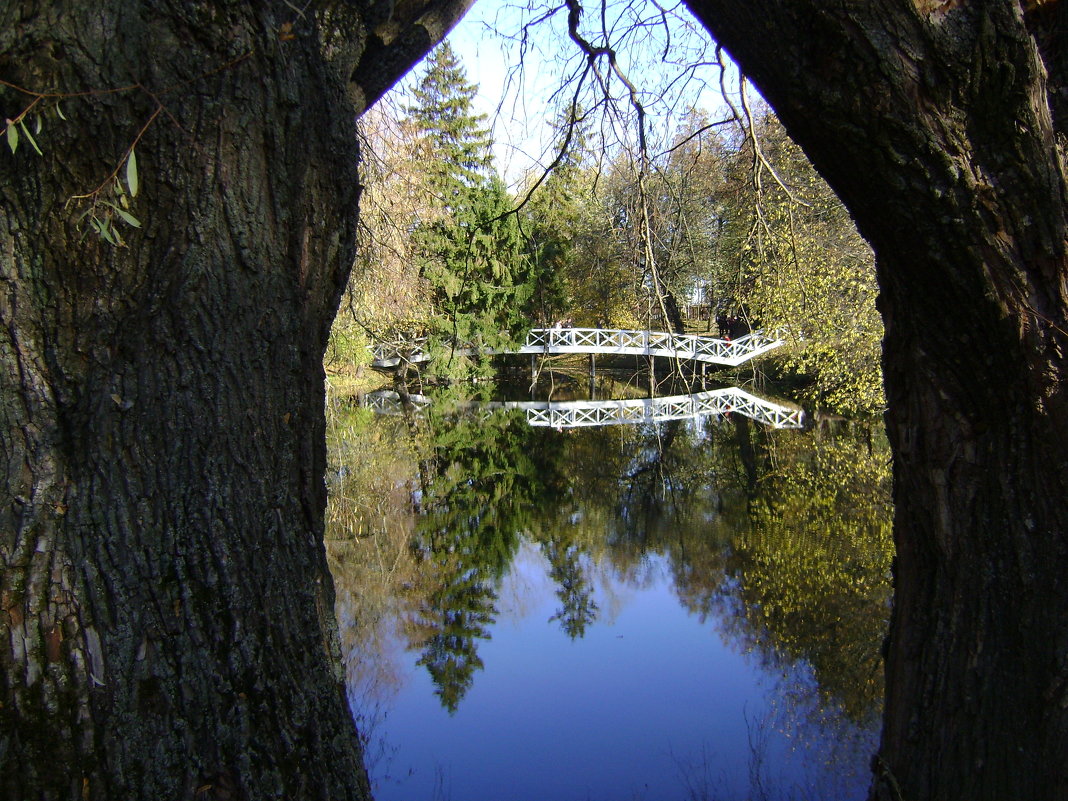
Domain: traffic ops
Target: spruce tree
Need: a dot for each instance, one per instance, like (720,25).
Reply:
(456,144)
(468,246)
(555,219)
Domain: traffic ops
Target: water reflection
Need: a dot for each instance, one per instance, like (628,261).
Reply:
(778,540)
(722,402)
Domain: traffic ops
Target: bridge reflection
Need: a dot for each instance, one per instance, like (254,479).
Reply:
(580,413)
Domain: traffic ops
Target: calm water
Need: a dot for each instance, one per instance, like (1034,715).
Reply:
(680,610)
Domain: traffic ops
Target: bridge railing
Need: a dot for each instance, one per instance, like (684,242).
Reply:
(391,403)
(390,354)
(729,352)
(718,402)
(577,414)
(652,343)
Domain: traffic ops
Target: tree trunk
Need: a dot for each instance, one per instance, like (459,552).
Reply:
(166,615)
(675,320)
(935,124)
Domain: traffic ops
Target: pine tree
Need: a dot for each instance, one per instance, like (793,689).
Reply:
(457,147)
(555,217)
(469,247)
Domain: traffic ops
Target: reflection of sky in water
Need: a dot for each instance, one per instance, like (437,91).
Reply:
(650,704)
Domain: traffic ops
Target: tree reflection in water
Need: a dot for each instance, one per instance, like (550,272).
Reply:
(779,539)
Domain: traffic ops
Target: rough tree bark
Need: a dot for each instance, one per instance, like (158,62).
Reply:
(941,125)
(166,620)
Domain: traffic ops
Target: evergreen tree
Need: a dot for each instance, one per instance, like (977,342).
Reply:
(468,247)
(554,219)
(456,145)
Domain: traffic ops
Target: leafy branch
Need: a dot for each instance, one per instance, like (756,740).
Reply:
(11,129)
(102,212)
(13,126)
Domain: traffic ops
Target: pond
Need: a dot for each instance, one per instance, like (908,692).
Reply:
(668,610)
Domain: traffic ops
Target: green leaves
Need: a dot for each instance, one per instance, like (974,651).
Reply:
(105,230)
(103,216)
(29,136)
(131,176)
(806,268)
(128,218)
(14,137)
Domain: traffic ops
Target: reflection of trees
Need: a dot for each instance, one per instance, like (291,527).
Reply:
(630,485)
(647,487)
(672,482)
(480,479)
(575,590)
(448,623)
(369,525)
(807,578)
(781,535)
(424,520)
(816,564)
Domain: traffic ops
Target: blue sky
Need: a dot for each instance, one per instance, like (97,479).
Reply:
(519,103)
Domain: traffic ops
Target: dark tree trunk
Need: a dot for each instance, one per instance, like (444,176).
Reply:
(678,325)
(939,125)
(166,615)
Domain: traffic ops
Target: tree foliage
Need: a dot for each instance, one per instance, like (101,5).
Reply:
(802,268)
(444,254)
(689,212)
(467,244)
(739,223)
(555,219)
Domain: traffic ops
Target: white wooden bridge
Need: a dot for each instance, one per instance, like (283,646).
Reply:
(729,352)
(576,414)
